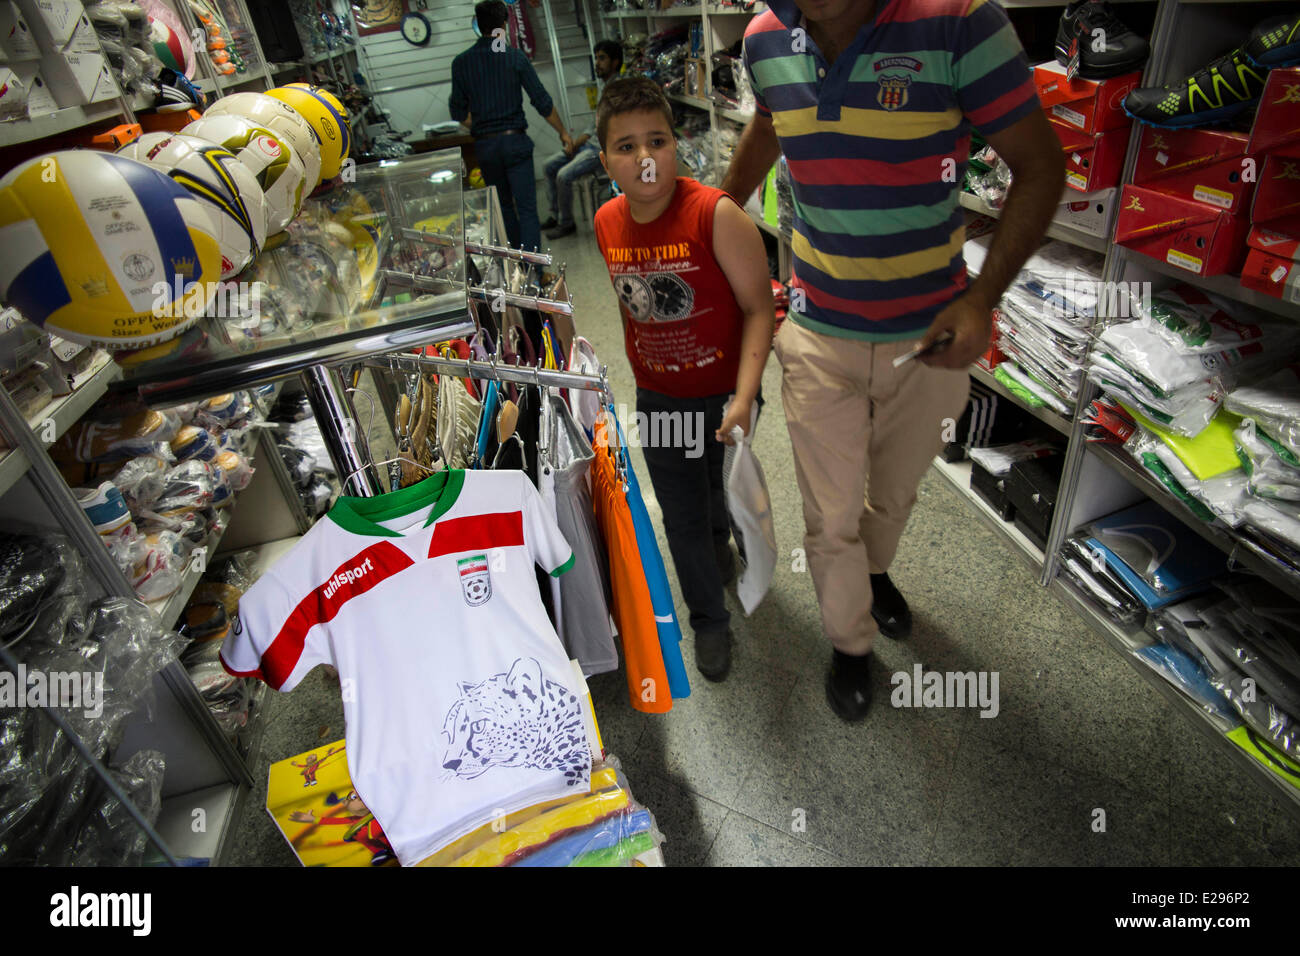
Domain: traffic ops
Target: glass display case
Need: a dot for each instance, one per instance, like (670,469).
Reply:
(371,267)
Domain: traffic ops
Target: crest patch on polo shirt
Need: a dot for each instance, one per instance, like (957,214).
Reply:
(892,91)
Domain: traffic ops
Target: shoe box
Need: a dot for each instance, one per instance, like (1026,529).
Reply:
(1273,258)
(1204,165)
(1093,161)
(992,489)
(1277,118)
(1091,213)
(1086,106)
(1202,239)
(17,42)
(1032,488)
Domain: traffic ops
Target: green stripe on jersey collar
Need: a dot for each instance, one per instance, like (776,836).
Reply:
(362,515)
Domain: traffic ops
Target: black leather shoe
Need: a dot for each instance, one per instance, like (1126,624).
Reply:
(550,223)
(848,686)
(889,608)
(713,653)
(1124,51)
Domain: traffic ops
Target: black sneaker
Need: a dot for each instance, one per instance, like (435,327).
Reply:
(848,686)
(889,608)
(559,232)
(1124,51)
(1213,94)
(713,653)
(550,223)
(1275,43)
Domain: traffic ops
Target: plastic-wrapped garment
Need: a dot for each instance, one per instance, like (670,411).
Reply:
(1273,663)
(566,457)
(1186,674)
(1273,471)
(31,572)
(1090,575)
(1274,403)
(1194,322)
(1224,495)
(998,459)
(298,463)
(750,508)
(111,837)
(305,435)
(1265,516)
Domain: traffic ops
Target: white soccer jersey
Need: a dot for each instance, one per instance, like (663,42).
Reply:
(459,699)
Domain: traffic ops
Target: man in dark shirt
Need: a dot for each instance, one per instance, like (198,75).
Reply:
(487,85)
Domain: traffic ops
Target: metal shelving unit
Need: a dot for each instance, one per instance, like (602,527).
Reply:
(1055,231)
(957,474)
(1043,414)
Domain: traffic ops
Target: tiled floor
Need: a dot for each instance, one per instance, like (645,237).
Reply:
(757,771)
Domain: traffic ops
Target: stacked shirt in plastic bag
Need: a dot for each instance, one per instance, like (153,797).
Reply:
(302,447)
(1204,381)
(1236,651)
(93,661)
(1042,326)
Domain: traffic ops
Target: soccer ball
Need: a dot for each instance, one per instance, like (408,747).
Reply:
(213,174)
(267,156)
(102,249)
(328,118)
(282,120)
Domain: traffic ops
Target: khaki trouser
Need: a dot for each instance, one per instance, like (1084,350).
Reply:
(863,434)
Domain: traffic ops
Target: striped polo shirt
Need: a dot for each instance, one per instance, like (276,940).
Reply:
(877,145)
(489,86)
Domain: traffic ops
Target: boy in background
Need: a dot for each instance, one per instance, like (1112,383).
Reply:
(690,271)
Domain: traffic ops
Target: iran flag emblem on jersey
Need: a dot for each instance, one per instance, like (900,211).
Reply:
(475,583)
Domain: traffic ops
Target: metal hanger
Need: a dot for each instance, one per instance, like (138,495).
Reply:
(387,461)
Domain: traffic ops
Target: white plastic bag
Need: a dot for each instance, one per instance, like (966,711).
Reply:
(751,515)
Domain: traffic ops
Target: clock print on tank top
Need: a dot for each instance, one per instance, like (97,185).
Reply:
(681,323)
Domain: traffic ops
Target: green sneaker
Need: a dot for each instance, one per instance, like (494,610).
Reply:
(1275,43)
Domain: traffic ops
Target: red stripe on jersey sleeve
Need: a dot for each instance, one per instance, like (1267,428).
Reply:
(505,529)
(354,577)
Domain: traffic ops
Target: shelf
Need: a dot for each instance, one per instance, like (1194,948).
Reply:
(740,116)
(1044,415)
(226,82)
(1239,551)
(1122,641)
(1228,286)
(766,226)
(732,11)
(694,11)
(330,54)
(176,823)
(89,386)
(957,474)
(1056,231)
(60,121)
(695,101)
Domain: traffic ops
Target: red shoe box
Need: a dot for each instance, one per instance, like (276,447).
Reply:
(1203,165)
(1271,266)
(1089,106)
(1181,232)
(1277,200)
(1093,161)
(1277,120)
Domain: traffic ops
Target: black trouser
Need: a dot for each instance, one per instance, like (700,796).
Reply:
(688,484)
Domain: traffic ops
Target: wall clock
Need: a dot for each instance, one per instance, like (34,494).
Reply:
(416,29)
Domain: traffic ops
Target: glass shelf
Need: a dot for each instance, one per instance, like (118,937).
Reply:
(346,281)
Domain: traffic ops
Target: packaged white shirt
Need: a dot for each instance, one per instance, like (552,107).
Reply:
(458,695)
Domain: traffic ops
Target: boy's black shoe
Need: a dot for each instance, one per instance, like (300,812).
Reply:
(848,686)
(559,232)
(1275,42)
(713,653)
(1124,51)
(1213,94)
(889,608)
(550,222)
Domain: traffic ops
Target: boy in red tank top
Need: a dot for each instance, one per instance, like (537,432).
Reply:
(690,271)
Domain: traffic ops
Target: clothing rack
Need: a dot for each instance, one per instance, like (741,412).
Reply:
(477,248)
(493,370)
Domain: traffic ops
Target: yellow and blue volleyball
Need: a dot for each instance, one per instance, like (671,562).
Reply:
(105,250)
(215,176)
(271,160)
(327,117)
(282,120)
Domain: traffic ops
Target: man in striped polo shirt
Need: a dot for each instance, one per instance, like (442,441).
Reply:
(872,102)
(487,85)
